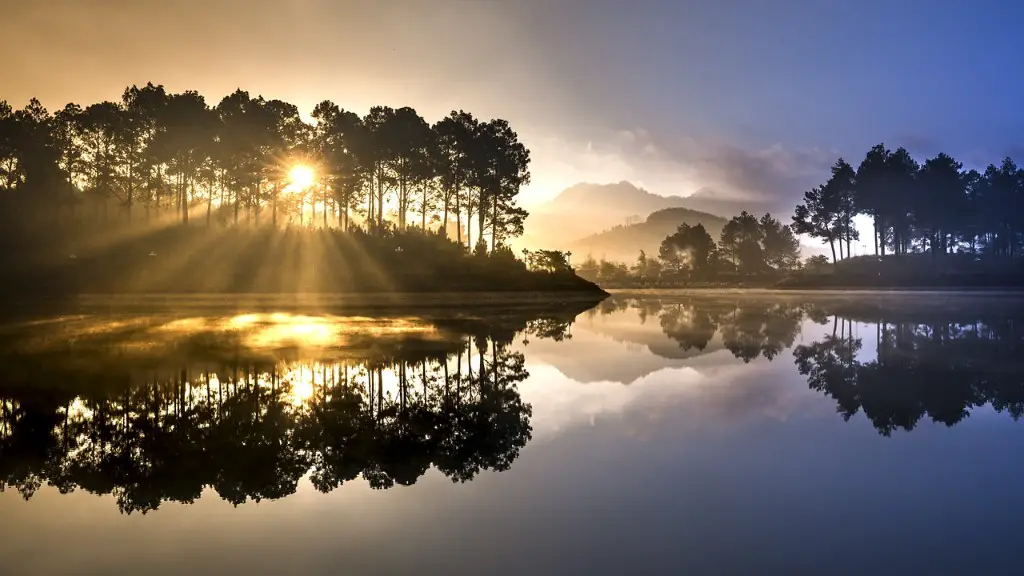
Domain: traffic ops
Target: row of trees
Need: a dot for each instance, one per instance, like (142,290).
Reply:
(748,246)
(934,206)
(165,151)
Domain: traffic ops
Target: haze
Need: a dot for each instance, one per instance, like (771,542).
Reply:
(743,99)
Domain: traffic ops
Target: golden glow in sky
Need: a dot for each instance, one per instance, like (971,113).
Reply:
(300,178)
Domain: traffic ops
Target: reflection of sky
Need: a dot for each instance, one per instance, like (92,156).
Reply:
(725,468)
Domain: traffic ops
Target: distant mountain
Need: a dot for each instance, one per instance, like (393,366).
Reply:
(618,220)
(586,209)
(624,243)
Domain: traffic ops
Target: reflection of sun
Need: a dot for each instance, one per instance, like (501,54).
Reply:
(302,381)
(301,391)
(300,177)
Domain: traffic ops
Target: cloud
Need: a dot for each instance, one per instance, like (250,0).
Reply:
(772,177)
(731,170)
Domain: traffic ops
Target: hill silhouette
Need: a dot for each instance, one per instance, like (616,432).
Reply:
(585,209)
(623,243)
(589,209)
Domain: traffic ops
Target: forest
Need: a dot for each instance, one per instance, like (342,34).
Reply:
(120,188)
(936,206)
(156,153)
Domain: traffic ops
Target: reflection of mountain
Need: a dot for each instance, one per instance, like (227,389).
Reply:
(152,409)
(671,332)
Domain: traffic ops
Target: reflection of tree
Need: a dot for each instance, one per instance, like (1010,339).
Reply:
(748,328)
(251,430)
(690,326)
(938,370)
(752,331)
(249,436)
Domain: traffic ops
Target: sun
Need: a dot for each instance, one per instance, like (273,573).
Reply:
(301,177)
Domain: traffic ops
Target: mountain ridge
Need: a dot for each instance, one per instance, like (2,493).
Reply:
(614,218)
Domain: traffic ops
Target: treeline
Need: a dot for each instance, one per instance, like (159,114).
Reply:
(172,154)
(748,249)
(935,206)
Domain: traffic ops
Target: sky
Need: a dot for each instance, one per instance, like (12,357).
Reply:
(744,98)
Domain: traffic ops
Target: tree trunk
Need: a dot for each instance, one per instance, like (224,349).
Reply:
(458,218)
(481,218)
(184,200)
(832,244)
(444,223)
(494,224)
(875,237)
(380,204)
(424,208)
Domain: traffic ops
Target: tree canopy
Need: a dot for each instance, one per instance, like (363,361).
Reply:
(175,153)
(936,206)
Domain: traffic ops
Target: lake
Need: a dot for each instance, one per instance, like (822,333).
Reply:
(654,432)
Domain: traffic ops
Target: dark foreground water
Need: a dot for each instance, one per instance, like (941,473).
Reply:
(658,433)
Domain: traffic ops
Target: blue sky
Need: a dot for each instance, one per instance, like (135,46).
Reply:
(749,98)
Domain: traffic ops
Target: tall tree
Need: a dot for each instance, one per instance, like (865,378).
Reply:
(690,247)
(902,177)
(456,136)
(780,246)
(839,198)
(814,217)
(184,142)
(872,187)
(741,243)
(942,201)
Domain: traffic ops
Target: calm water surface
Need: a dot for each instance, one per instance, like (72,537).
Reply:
(656,433)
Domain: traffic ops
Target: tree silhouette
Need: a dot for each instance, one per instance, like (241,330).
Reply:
(171,151)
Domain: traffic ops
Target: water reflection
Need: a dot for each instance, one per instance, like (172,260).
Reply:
(939,370)
(153,409)
(938,358)
(158,408)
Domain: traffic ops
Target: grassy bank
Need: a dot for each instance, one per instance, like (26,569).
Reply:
(269,261)
(912,272)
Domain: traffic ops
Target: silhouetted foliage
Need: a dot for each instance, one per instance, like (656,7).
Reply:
(749,250)
(72,185)
(220,403)
(934,207)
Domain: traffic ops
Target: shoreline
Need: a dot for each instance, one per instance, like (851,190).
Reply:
(181,302)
